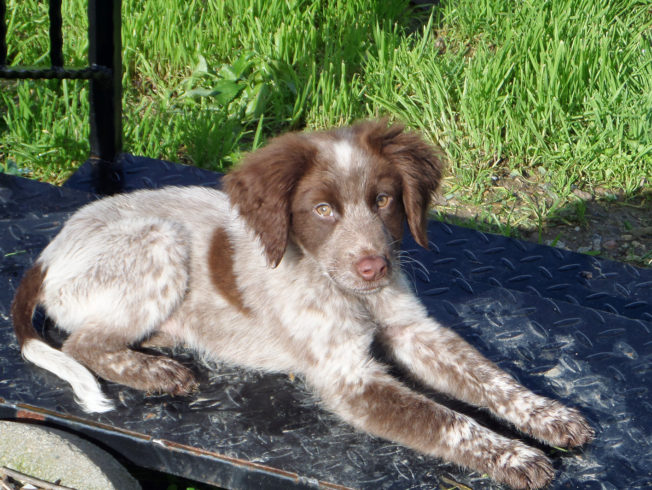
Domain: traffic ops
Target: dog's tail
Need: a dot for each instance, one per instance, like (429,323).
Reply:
(87,390)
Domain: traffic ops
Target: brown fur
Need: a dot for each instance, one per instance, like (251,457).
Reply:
(107,356)
(316,186)
(220,268)
(25,300)
(419,164)
(262,189)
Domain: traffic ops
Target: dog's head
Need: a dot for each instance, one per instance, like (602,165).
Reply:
(342,196)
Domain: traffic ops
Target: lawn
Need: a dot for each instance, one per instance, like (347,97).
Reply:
(544,108)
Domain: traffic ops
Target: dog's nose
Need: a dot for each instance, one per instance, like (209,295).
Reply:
(371,268)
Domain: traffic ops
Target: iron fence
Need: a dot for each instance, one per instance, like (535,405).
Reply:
(104,73)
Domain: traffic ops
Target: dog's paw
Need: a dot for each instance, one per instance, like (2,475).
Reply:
(522,467)
(168,376)
(560,426)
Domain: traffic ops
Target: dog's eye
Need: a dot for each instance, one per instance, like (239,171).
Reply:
(383,200)
(324,209)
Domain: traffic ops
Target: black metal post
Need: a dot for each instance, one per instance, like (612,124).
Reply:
(3,33)
(104,49)
(56,37)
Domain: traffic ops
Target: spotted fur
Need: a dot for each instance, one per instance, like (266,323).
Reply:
(295,267)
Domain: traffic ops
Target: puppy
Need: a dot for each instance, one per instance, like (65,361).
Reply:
(294,268)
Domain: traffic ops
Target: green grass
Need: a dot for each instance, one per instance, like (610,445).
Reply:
(556,91)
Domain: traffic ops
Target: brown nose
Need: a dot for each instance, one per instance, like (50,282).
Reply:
(371,268)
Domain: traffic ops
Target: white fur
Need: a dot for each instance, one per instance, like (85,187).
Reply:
(87,390)
(140,264)
(343,151)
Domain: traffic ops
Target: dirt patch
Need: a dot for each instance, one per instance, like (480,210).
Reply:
(608,224)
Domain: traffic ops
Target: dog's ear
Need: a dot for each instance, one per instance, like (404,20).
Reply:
(262,188)
(420,165)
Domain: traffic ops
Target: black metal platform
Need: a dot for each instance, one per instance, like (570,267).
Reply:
(568,326)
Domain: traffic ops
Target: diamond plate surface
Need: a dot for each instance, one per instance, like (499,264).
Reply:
(242,425)
(144,173)
(21,198)
(545,271)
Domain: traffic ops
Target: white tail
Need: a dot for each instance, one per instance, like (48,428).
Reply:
(87,390)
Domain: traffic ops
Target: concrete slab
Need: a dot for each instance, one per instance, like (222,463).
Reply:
(58,457)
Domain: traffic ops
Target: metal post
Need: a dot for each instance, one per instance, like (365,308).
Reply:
(104,49)
(3,34)
(56,37)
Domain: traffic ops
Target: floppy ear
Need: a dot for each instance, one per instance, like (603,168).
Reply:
(262,188)
(420,165)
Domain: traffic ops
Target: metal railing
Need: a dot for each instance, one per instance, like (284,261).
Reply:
(104,72)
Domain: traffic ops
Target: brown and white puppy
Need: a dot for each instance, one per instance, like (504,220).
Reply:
(295,268)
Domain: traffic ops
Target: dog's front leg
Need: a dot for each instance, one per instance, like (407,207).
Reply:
(442,359)
(377,403)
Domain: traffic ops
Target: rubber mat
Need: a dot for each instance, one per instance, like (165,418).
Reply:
(568,326)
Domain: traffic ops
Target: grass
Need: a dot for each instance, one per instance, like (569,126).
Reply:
(556,92)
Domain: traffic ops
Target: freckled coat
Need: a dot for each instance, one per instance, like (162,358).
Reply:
(294,268)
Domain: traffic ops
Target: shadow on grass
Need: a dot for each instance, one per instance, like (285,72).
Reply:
(614,227)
